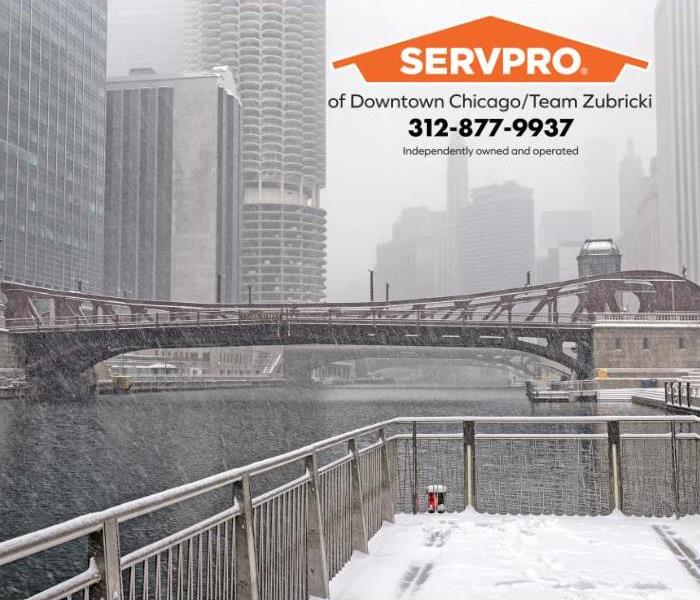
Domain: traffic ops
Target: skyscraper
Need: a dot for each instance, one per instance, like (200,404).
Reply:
(172,210)
(678,131)
(277,53)
(600,185)
(648,251)
(631,174)
(413,262)
(559,239)
(564,226)
(52,136)
(457,199)
(498,240)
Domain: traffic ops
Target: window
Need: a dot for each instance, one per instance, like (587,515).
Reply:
(618,344)
(645,343)
(681,343)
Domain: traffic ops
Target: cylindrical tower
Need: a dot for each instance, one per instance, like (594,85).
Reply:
(276,49)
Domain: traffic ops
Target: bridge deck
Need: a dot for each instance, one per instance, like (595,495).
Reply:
(470,555)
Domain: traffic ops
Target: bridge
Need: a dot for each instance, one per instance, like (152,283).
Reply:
(57,336)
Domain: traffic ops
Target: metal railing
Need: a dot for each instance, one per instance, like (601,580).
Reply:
(648,317)
(681,394)
(575,385)
(282,316)
(388,315)
(289,541)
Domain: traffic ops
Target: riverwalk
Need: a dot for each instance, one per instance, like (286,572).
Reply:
(296,525)
(511,557)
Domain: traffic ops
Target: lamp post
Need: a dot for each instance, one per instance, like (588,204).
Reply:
(371,285)
(250,294)
(387,292)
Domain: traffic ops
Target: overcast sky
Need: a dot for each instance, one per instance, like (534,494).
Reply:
(369,181)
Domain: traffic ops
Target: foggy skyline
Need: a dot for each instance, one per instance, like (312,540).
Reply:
(362,210)
(369,182)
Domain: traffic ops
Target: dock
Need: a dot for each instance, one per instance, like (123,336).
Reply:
(562,391)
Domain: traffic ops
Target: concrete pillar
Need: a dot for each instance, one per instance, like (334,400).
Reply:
(56,385)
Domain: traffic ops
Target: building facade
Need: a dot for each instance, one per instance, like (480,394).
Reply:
(639,209)
(457,199)
(600,185)
(631,173)
(598,257)
(564,227)
(647,249)
(277,53)
(678,130)
(414,261)
(52,141)
(174,187)
(559,264)
(496,238)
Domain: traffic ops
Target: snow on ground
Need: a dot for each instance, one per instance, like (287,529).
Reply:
(478,557)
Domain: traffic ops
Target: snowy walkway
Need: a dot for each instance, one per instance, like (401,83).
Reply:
(480,557)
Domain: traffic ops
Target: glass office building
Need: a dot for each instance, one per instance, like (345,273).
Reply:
(52,140)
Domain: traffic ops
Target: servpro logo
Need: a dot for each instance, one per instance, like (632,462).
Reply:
(491,50)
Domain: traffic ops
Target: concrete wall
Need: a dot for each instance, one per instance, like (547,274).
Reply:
(667,346)
(194,239)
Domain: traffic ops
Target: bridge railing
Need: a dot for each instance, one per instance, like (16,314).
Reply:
(289,541)
(429,317)
(364,315)
(693,317)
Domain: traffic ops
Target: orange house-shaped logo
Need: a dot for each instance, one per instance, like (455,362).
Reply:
(491,50)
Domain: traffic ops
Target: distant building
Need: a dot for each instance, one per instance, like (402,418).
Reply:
(559,227)
(251,361)
(52,142)
(414,261)
(678,131)
(598,257)
(172,214)
(457,199)
(559,264)
(640,225)
(560,236)
(631,173)
(647,248)
(496,238)
(600,186)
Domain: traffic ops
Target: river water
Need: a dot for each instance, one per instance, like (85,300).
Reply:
(62,460)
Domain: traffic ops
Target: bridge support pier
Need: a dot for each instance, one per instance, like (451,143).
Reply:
(60,385)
